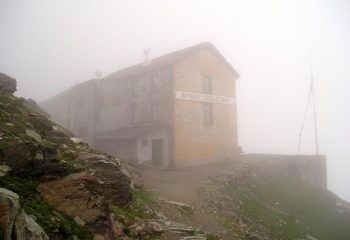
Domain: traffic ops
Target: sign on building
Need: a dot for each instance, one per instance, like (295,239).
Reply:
(201,97)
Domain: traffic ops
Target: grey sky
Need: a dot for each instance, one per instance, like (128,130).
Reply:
(48,46)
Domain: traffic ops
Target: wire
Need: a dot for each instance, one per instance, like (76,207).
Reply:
(304,120)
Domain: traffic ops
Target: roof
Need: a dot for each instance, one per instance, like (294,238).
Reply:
(156,63)
(169,59)
(130,132)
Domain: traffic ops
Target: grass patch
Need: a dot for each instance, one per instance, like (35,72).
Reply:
(137,209)
(292,210)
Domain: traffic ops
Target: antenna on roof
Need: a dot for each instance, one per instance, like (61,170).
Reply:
(146,54)
(98,74)
(312,98)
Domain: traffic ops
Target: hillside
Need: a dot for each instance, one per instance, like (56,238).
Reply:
(247,200)
(54,186)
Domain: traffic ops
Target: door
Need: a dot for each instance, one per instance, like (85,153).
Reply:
(157,152)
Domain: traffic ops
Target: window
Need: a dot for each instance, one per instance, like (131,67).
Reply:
(136,116)
(69,105)
(144,143)
(142,114)
(80,103)
(207,114)
(206,82)
(142,86)
(156,82)
(156,113)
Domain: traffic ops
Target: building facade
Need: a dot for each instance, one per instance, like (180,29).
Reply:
(177,109)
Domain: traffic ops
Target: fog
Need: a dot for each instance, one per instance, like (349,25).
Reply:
(49,46)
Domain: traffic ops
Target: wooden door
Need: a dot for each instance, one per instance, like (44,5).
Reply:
(157,152)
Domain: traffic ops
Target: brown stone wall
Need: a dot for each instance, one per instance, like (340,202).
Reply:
(196,142)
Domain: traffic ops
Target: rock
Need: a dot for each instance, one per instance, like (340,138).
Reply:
(9,209)
(14,220)
(309,237)
(56,136)
(7,84)
(27,229)
(39,156)
(34,106)
(33,134)
(40,122)
(99,237)
(179,204)
(145,228)
(193,238)
(156,227)
(79,221)
(135,174)
(110,174)
(72,195)
(18,155)
(4,169)
(76,140)
(119,229)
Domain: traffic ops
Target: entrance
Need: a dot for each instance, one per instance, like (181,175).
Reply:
(157,152)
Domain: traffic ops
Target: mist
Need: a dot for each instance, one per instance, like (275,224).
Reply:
(49,46)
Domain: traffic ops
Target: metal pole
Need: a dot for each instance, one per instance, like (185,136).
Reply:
(314,103)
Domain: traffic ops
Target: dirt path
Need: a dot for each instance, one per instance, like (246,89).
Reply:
(185,185)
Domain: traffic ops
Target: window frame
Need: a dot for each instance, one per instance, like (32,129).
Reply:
(208,114)
(207,84)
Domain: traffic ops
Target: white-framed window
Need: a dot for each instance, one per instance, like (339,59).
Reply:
(207,84)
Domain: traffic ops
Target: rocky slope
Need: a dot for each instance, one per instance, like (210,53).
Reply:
(50,179)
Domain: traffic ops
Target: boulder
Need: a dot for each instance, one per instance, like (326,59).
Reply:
(33,134)
(144,228)
(4,169)
(16,224)
(27,229)
(7,84)
(76,195)
(18,155)
(76,140)
(9,209)
(113,178)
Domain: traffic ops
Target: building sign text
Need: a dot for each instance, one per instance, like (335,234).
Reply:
(201,97)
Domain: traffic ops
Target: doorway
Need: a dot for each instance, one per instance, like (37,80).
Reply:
(157,152)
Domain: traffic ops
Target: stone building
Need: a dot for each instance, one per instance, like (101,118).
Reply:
(176,109)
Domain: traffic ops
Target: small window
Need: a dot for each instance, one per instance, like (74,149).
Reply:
(144,143)
(156,83)
(206,82)
(208,114)
(80,103)
(156,113)
(136,115)
(69,105)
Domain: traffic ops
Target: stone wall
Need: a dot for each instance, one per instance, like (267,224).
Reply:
(310,169)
